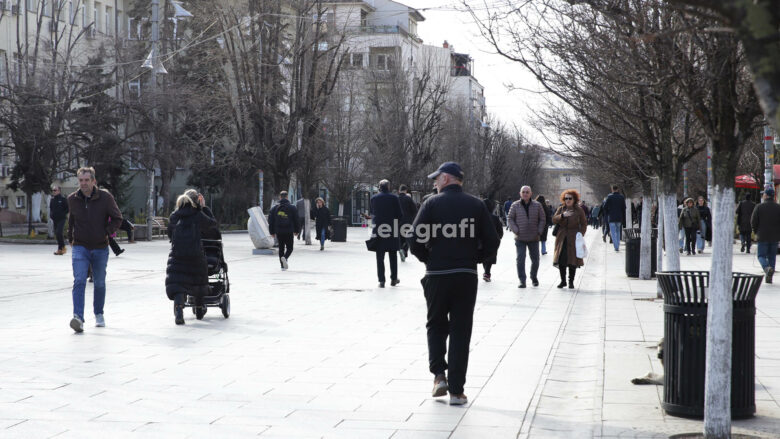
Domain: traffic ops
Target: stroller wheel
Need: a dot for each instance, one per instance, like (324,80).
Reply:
(225,306)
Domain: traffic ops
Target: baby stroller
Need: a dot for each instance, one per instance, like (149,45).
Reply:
(219,285)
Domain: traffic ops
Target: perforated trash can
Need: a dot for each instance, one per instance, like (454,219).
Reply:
(685,342)
(632,238)
(339,224)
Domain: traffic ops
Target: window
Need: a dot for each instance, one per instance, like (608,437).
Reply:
(133,29)
(96,16)
(20,199)
(134,88)
(108,20)
(356,60)
(84,16)
(3,202)
(32,5)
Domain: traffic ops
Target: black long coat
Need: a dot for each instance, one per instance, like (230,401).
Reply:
(744,212)
(188,274)
(386,209)
(321,217)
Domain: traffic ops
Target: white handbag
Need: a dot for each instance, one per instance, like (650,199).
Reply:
(579,244)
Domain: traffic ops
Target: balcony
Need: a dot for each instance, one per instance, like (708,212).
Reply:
(383,29)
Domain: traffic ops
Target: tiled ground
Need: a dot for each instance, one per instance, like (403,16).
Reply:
(319,351)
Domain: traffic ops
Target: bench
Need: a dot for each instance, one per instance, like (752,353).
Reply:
(161,224)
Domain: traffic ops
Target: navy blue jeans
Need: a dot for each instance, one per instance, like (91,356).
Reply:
(767,253)
(83,258)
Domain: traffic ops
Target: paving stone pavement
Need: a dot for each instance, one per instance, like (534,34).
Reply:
(318,351)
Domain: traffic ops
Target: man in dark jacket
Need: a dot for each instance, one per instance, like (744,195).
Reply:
(451,231)
(615,213)
(744,212)
(300,206)
(507,206)
(89,227)
(409,210)
(283,224)
(58,211)
(766,223)
(385,209)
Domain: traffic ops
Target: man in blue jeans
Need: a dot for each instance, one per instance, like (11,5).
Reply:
(527,220)
(88,231)
(615,215)
(765,221)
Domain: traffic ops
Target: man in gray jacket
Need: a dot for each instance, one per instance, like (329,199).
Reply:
(527,222)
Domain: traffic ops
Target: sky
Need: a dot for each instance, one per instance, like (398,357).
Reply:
(445,20)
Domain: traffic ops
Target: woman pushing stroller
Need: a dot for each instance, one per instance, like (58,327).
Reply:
(187,272)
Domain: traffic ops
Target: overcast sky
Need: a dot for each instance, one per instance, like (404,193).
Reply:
(494,72)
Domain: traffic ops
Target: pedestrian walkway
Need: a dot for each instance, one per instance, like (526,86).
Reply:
(319,351)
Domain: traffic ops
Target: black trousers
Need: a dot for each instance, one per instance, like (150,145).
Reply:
(58,232)
(380,264)
(690,239)
(127,228)
(450,299)
(486,266)
(286,241)
(114,246)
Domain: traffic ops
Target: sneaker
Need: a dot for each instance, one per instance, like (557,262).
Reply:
(395,282)
(535,282)
(522,285)
(285,265)
(440,386)
(77,324)
(458,399)
(486,277)
(769,272)
(100,322)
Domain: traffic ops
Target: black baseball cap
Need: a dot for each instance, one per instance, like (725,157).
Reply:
(451,168)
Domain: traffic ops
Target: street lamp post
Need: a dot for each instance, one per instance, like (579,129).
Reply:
(153,86)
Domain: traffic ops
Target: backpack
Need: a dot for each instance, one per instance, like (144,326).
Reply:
(186,238)
(283,220)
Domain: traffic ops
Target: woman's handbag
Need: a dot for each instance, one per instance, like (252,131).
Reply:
(555,229)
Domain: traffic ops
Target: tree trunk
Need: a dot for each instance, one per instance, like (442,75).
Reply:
(28,195)
(307,221)
(629,216)
(671,240)
(717,393)
(659,265)
(646,252)
(341,209)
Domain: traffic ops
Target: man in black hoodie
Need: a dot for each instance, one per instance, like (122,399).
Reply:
(58,211)
(451,234)
(283,224)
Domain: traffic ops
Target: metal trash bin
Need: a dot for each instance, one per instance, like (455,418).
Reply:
(632,238)
(339,224)
(685,337)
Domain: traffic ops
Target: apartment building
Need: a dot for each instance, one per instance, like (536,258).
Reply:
(23,23)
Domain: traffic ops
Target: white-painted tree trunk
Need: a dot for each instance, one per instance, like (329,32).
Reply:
(341,209)
(717,386)
(646,249)
(307,221)
(659,264)
(672,244)
(629,217)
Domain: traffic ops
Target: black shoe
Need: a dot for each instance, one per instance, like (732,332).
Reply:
(742,249)
(381,284)
(604,238)
(89,279)
(395,282)
(535,282)
(522,285)
(121,250)
(322,247)
(178,309)
(562,284)
(748,250)
(571,284)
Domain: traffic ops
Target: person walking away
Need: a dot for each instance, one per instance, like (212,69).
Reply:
(409,210)
(386,213)
(744,212)
(571,219)
(595,215)
(547,222)
(705,224)
(526,220)
(491,259)
(187,270)
(507,206)
(689,221)
(90,210)
(128,227)
(58,212)
(765,221)
(450,282)
(283,224)
(321,216)
(615,212)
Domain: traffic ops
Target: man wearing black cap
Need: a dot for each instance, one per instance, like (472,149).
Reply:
(451,231)
(766,223)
